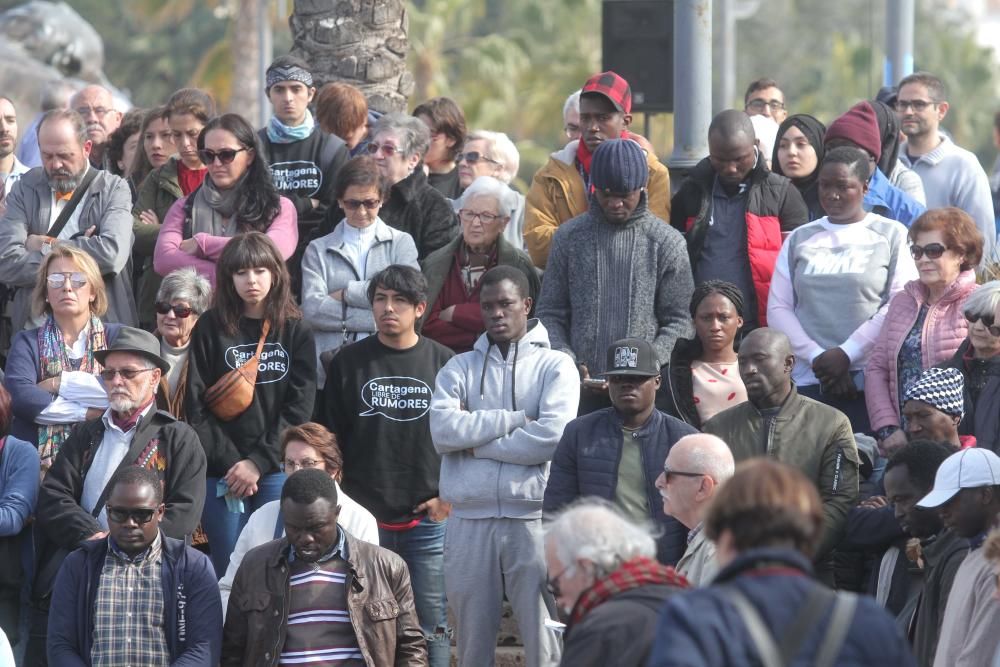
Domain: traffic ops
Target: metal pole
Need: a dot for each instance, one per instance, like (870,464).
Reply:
(692,82)
(899,20)
(727,86)
(265,56)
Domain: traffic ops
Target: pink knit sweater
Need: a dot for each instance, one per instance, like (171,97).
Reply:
(944,330)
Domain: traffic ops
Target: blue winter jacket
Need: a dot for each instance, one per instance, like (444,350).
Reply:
(887,200)
(192,607)
(586,464)
(702,627)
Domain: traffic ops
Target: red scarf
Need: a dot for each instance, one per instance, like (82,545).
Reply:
(640,571)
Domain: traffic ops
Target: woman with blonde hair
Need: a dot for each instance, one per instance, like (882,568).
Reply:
(52,374)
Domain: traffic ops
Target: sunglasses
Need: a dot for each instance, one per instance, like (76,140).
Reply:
(108,374)
(140,516)
(355,204)
(57,280)
(932,250)
(179,311)
(225,156)
(987,321)
(388,150)
(667,472)
(472,157)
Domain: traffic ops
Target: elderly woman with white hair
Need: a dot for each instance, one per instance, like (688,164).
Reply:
(453,273)
(978,358)
(494,154)
(607,584)
(183,296)
(398,144)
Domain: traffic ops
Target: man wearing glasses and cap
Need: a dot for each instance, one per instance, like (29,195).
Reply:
(137,597)
(73,500)
(618,453)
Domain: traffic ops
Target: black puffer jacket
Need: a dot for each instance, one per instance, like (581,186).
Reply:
(982,414)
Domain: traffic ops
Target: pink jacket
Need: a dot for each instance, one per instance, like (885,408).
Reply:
(168,256)
(944,330)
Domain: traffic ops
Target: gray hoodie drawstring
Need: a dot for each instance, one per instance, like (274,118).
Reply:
(482,377)
(513,380)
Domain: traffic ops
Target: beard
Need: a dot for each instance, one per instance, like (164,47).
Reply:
(122,403)
(63,180)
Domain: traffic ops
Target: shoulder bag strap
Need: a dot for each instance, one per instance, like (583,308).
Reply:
(263,336)
(767,650)
(836,631)
(81,190)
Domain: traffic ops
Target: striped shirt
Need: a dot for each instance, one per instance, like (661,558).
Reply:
(128,612)
(319,630)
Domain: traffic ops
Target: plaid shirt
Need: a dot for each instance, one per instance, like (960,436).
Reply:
(128,613)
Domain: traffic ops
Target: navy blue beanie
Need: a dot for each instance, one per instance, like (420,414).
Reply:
(619,165)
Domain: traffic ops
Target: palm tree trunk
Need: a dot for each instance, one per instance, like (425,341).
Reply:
(247,88)
(360,42)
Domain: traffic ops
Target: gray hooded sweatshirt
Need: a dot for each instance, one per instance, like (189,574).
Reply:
(497,422)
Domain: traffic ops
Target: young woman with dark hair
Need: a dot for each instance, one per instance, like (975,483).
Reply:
(252,302)
(237,196)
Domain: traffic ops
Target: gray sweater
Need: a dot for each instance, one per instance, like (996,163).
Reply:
(606,281)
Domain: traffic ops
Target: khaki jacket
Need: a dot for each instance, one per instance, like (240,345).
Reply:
(808,435)
(557,196)
(380,602)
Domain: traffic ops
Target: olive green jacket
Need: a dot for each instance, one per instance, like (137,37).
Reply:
(158,192)
(808,435)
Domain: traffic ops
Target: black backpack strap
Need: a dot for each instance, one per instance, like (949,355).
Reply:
(187,231)
(78,194)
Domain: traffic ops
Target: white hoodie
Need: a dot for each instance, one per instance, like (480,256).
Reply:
(497,422)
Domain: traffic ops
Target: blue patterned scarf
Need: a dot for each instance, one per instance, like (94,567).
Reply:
(279,133)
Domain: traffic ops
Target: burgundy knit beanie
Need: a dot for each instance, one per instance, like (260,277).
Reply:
(859,125)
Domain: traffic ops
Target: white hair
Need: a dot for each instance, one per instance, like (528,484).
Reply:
(487,186)
(591,529)
(572,103)
(499,147)
(984,299)
(709,455)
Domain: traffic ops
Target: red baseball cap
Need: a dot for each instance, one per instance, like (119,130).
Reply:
(612,87)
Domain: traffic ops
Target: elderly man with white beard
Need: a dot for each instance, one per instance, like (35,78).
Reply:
(131,432)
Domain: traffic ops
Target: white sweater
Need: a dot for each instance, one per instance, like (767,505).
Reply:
(259,530)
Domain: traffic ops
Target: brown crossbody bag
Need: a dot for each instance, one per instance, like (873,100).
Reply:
(232,394)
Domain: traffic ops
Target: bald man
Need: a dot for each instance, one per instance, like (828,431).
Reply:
(777,422)
(95,104)
(695,467)
(734,212)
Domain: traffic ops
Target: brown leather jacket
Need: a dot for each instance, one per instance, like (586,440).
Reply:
(380,601)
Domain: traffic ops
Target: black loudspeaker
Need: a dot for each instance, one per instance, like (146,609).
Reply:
(637,38)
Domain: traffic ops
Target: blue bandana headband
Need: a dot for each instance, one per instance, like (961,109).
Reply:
(290,73)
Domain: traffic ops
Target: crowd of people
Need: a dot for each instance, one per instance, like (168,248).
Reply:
(333,391)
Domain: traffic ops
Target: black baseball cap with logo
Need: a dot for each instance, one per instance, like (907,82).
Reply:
(632,356)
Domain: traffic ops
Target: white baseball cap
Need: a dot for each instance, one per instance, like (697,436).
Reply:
(968,469)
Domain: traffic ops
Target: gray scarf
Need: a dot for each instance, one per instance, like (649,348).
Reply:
(214,210)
